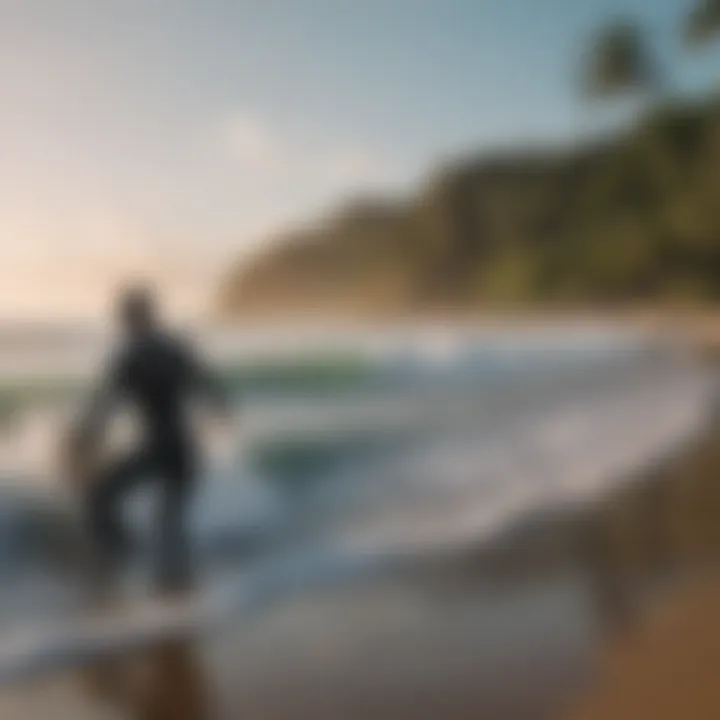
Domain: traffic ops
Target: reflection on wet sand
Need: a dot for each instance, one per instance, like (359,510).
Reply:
(175,687)
(164,682)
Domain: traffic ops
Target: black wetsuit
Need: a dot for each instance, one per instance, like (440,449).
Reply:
(157,375)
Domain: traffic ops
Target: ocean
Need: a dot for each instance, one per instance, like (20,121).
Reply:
(351,448)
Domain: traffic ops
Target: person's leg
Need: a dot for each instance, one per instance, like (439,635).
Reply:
(174,567)
(103,506)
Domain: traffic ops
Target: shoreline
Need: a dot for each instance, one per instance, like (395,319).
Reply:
(518,625)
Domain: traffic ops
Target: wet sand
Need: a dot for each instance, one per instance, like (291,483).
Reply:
(668,667)
(608,612)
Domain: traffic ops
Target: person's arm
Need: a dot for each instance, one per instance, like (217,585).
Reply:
(208,384)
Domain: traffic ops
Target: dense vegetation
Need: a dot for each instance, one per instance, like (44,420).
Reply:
(632,219)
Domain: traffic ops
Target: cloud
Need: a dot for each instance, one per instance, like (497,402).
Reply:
(324,164)
(253,144)
(356,164)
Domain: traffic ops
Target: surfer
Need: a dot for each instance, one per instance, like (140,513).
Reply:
(156,374)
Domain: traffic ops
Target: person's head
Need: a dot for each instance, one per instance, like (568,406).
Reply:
(137,311)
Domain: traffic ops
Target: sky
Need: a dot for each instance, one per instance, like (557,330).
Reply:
(170,139)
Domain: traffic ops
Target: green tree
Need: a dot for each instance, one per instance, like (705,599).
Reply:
(620,62)
(703,23)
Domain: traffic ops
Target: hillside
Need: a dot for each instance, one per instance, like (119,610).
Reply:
(634,220)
